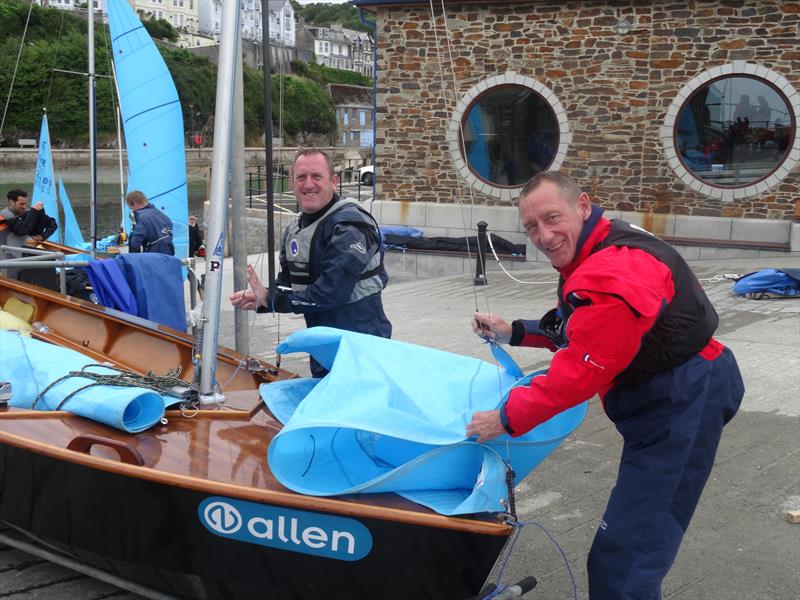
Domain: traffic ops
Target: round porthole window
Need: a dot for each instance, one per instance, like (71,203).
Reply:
(506,130)
(733,133)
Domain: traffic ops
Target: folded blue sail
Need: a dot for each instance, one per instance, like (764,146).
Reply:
(44,185)
(31,366)
(152,120)
(391,417)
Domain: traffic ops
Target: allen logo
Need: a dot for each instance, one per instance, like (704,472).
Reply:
(281,528)
(222,518)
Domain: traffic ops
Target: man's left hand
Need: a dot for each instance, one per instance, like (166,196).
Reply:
(486,425)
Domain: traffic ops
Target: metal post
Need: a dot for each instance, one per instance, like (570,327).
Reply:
(92,135)
(480,265)
(223,121)
(238,221)
(62,274)
(266,53)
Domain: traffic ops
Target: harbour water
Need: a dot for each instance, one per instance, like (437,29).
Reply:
(109,210)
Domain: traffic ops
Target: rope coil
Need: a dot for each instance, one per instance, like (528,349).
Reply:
(162,384)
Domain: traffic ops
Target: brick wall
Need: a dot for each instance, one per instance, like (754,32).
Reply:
(615,88)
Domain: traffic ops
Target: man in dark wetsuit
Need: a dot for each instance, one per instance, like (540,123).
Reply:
(153,229)
(331,259)
(20,224)
(634,326)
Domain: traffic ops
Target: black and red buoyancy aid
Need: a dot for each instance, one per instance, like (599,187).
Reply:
(686,323)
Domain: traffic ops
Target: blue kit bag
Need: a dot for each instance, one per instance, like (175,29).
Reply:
(769,284)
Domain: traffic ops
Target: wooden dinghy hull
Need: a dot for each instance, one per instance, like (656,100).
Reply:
(189,507)
(158,535)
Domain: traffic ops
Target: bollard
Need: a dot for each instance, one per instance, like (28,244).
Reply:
(480,265)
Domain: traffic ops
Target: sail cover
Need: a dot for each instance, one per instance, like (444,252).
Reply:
(152,120)
(391,416)
(32,366)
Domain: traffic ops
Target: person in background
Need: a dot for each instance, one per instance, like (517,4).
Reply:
(331,259)
(20,226)
(634,326)
(195,236)
(152,229)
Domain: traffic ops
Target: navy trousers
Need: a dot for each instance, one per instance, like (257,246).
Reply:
(671,427)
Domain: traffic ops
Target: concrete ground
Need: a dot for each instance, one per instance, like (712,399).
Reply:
(739,545)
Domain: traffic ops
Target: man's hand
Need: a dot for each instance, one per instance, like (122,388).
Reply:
(489,325)
(254,296)
(38,206)
(486,425)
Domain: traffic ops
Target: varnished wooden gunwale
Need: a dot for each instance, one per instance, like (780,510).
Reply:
(126,341)
(409,515)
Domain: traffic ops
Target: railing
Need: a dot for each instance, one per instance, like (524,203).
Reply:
(284,199)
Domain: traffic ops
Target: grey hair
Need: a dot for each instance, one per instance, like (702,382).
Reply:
(569,188)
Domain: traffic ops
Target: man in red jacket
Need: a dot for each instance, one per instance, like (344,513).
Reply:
(634,326)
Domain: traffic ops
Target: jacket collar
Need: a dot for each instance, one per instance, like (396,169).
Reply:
(595,229)
(307,219)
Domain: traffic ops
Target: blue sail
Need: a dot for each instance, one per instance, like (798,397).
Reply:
(44,189)
(152,120)
(72,232)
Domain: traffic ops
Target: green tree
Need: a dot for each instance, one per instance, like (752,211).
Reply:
(323,15)
(161,29)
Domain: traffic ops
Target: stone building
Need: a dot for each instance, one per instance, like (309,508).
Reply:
(685,113)
(353,107)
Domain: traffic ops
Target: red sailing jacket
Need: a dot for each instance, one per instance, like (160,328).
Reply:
(618,293)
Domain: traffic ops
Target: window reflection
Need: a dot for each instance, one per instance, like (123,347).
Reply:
(734,131)
(510,134)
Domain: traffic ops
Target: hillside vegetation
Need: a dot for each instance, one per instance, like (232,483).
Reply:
(324,14)
(56,39)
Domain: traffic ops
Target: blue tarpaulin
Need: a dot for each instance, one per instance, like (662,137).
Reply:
(391,416)
(32,365)
(157,284)
(110,286)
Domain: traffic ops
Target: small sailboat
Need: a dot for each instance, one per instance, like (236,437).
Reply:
(190,506)
(152,125)
(152,122)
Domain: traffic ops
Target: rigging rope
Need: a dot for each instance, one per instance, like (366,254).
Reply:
(500,263)
(460,197)
(16,66)
(518,526)
(55,59)
(163,384)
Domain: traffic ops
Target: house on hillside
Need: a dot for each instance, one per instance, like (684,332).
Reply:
(71,5)
(683,114)
(341,48)
(281,20)
(353,107)
(181,14)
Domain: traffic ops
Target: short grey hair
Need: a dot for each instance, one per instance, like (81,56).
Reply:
(569,188)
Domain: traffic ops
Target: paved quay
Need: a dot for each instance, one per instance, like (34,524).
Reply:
(739,545)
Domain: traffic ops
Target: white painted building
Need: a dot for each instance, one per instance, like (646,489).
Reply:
(71,4)
(181,14)
(281,20)
(341,48)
